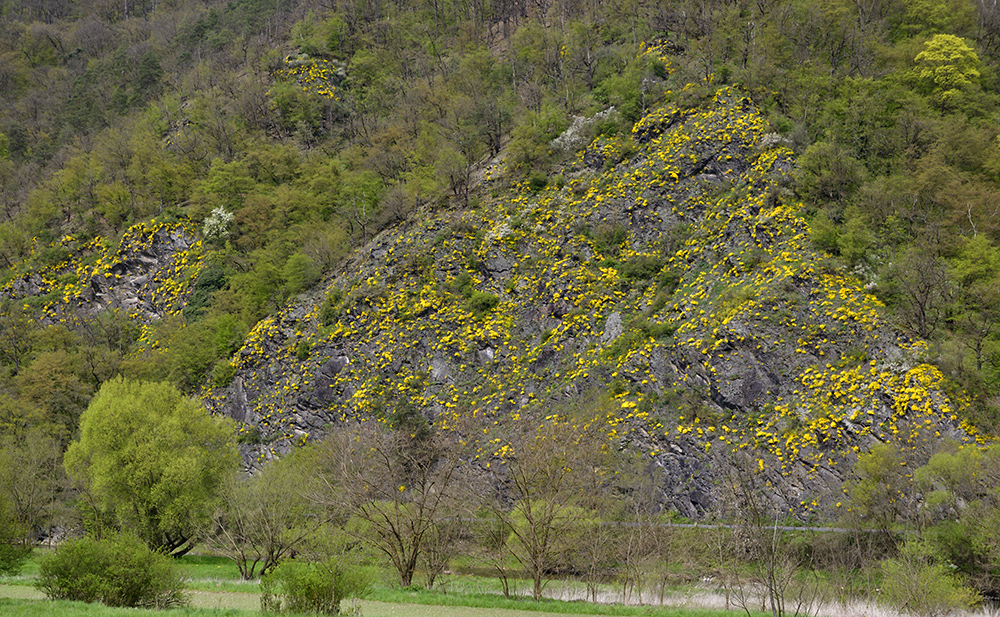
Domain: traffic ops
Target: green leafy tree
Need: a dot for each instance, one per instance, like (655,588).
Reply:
(150,460)
(961,509)
(919,582)
(947,65)
(52,382)
(877,491)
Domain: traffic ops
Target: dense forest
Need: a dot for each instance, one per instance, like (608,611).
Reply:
(281,135)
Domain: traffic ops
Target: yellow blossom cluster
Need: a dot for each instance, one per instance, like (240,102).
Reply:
(313,75)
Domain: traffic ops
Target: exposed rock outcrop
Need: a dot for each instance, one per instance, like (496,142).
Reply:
(679,285)
(147,275)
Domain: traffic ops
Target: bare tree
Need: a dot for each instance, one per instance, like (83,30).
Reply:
(760,543)
(401,483)
(263,518)
(922,290)
(541,492)
(31,478)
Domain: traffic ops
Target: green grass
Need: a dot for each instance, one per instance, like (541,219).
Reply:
(214,588)
(48,608)
(408,606)
(492,601)
(211,573)
(208,566)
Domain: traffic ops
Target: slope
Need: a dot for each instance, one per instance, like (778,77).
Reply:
(667,270)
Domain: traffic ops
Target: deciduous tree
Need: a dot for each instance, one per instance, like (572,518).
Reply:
(150,460)
(262,518)
(543,486)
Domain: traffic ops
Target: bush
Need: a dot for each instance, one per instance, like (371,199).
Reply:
(299,587)
(118,571)
(537,181)
(223,373)
(481,302)
(919,583)
(329,312)
(640,267)
(302,350)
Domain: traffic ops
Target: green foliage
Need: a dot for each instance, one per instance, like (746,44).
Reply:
(528,150)
(315,588)
(537,181)
(640,267)
(302,350)
(918,582)
(875,490)
(195,348)
(946,65)
(118,570)
(299,273)
(14,551)
(961,507)
(151,460)
(824,233)
(856,240)
(211,279)
(31,481)
(607,237)
(478,302)
(223,373)
(262,519)
(329,310)
(639,330)
(481,302)
(828,173)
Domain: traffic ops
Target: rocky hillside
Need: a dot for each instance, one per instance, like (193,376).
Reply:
(144,277)
(669,272)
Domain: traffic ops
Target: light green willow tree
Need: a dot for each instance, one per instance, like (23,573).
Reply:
(150,460)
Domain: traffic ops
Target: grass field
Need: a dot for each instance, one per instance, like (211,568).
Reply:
(214,588)
(207,604)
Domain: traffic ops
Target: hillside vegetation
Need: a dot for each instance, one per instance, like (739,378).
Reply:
(747,248)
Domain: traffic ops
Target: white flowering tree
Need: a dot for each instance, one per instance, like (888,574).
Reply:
(216,226)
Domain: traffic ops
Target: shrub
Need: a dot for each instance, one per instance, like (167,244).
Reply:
(299,587)
(537,181)
(118,571)
(608,238)
(302,350)
(640,267)
(210,279)
(330,311)
(919,583)
(12,557)
(223,373)
(481,302)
